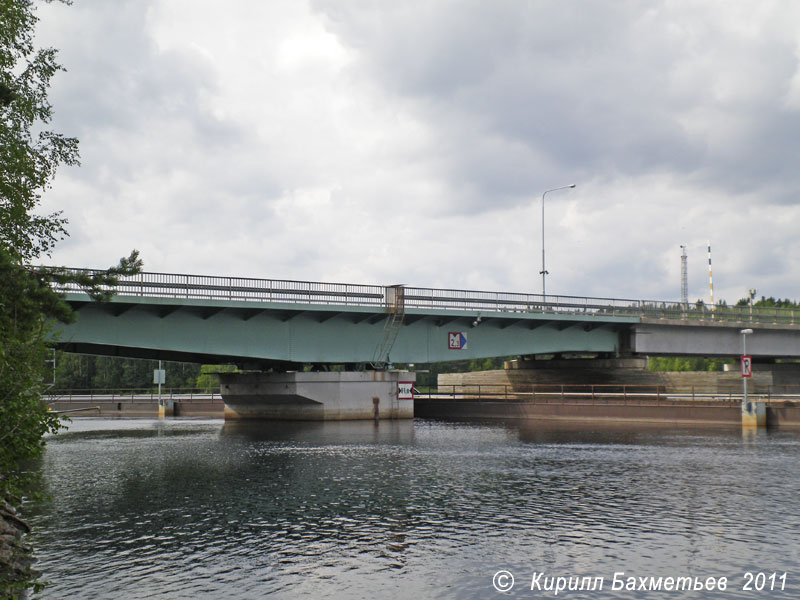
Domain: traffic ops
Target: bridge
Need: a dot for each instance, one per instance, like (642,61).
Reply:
(266,323)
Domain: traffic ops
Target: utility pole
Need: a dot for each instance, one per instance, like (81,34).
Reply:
(710,281)
(684,280)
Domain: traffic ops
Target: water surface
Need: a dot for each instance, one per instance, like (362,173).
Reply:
(201,509)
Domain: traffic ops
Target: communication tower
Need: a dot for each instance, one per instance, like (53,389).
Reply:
(684,279)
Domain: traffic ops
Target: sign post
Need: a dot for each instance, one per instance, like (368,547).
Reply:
(160,377)
(747,373)
(754,414)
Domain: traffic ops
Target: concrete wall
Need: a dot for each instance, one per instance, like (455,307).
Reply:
(675,414)
(139,408)
(316,396)
(630,372)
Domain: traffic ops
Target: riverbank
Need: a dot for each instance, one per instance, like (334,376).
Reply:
(137,405)
(16,556)
(488,403)
(716,413)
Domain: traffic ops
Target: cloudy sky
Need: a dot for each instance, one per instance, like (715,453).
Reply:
(410,142)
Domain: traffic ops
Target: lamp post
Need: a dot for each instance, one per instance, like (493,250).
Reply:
(543,272)
(745,333)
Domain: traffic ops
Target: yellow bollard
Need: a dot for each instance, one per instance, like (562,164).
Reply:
(754,414)
(166,408)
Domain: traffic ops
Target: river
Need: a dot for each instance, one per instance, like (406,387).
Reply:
(200,509)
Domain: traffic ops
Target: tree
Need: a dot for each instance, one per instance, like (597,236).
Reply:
(29,157)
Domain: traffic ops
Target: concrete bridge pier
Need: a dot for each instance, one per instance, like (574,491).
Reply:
(327,396)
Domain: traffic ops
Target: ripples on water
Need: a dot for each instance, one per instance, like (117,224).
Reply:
(198,509)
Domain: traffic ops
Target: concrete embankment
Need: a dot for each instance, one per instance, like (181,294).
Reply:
(612,391)
(609,410)
(521,374)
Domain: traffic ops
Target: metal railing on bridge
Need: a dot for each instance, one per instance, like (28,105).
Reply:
(207,287)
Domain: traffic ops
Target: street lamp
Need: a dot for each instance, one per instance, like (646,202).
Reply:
(543,272)
(745,333)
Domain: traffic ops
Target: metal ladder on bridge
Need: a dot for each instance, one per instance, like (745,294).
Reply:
(395,307)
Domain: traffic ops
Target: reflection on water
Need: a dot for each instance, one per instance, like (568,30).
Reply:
(202,509)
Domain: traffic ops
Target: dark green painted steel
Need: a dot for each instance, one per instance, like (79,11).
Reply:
(217,319)
(248,332)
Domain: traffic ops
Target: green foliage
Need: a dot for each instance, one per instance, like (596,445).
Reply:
(23,417)
(29,303)
(29,157)
(87,372)
(770,302)
(685,363)
(207,379)
(29,153)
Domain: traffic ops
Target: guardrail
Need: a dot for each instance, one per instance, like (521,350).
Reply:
(134,396)
(207,287)
(606,394)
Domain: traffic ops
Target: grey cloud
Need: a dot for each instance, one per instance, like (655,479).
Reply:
(125,89)
(591,87)
(420,152)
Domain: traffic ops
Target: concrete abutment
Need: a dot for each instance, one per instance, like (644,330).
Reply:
(618,391)
(521,374)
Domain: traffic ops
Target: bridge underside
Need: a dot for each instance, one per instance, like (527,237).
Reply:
(244,362)
(670,338)
(273,335)
(261,335)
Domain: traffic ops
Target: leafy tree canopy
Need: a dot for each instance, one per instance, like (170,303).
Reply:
(29,156)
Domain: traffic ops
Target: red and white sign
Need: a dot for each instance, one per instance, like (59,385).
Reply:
(747,366)
(405,390)
(457,340)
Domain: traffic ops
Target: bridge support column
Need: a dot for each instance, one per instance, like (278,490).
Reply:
(754,414)
(331,396)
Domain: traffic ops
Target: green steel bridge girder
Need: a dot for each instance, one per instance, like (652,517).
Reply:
(245,332)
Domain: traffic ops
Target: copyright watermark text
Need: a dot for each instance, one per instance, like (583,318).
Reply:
(503,581)
(544,584)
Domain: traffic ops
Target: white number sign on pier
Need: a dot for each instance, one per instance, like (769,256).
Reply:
(457,340)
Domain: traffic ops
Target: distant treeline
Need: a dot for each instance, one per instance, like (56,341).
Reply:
(686,363)
(770,302)
(88,372)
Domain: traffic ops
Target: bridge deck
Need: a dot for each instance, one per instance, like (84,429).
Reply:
(263,321)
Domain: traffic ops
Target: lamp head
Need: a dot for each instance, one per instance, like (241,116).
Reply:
(746,331)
